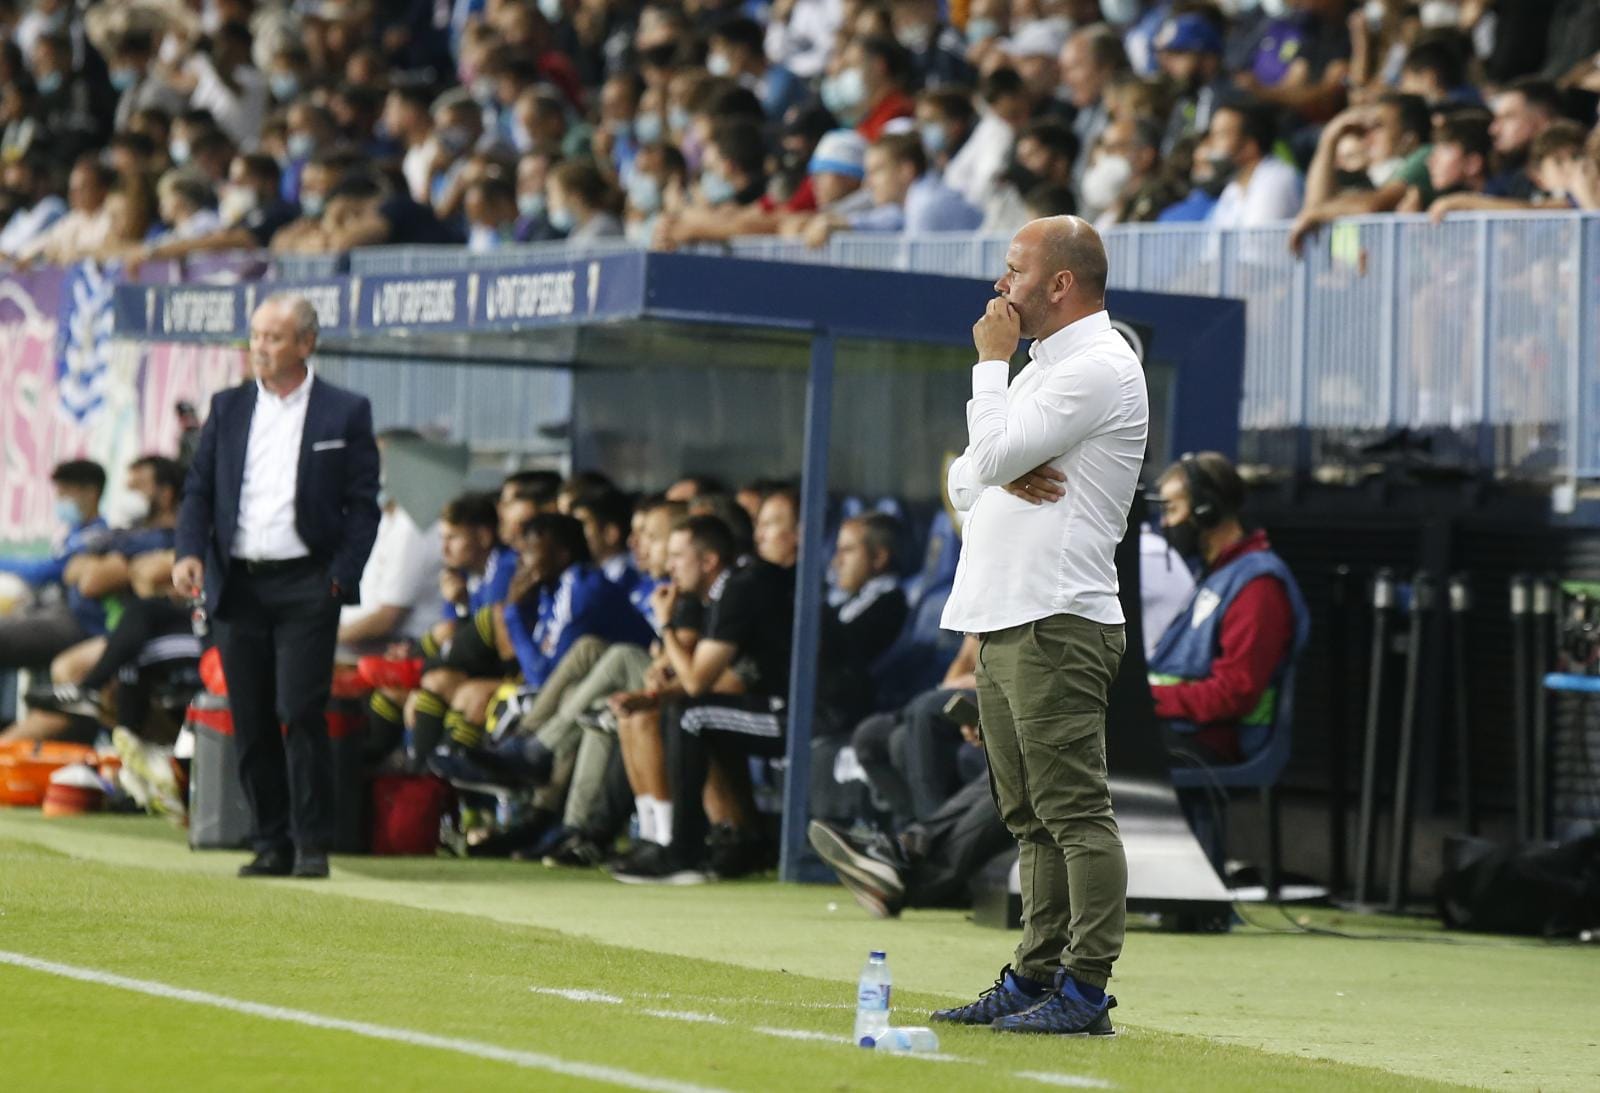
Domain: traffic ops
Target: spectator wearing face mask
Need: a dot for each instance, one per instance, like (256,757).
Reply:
(1396,131)
(937,50)
(1261,189)
(738,52)
(945,119)
(1092,58)
(869,89)
(139,86)
(580,202)
(249,213)
(657,185)
(184,201)
(491,208)
(74,108)
(614,144)
(310,132)
(288,73)
(533,206)
(305,234)
(1205,184)
(457,131)
(1124,183)
(1045,154)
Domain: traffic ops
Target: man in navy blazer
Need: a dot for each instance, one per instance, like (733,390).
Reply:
(279,513)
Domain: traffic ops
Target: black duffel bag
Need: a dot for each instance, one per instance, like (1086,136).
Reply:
(1545,889)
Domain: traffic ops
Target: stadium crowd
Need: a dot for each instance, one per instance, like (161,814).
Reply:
(140,129)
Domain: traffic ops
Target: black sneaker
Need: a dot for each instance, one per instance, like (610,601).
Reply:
(734,853)
(576,851)
(869,864)
(1006,998)
(65,698)
(657,864)
(476,770)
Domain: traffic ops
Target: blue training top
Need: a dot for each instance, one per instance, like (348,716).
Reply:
(581,602)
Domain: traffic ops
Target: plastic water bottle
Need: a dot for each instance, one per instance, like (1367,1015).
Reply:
(911,1040)
(872,1000)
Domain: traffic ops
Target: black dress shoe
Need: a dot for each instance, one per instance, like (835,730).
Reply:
(268,863)
(310,863)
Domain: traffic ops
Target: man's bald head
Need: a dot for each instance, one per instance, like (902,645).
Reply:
(1071,243)
(1055,274)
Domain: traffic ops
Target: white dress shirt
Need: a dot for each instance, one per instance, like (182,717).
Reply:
(1271,196)
(401,571)
(972,170)
(1079,405)
(266,530)
(1165,585)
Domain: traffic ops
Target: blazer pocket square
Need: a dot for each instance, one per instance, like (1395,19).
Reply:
(327,445)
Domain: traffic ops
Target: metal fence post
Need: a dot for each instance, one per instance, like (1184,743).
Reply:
(809,578)
(1482,402)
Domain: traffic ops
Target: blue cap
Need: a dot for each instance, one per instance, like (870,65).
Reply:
(1188,33)
(840,152)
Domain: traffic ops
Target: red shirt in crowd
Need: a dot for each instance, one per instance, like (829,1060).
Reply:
(1256,634)
(896,104)
(803,200)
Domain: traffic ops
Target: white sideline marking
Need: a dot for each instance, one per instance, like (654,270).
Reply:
(687,1015)
(1070,1081)
(801,1034)
(579,996)
(714,1000)
(528,1060)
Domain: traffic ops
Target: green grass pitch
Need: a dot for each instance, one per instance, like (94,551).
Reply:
(434,974)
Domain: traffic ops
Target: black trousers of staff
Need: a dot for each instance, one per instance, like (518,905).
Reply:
(276,628)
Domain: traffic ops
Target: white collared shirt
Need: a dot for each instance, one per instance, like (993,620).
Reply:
(266,528)
(401,571)
(1080,405)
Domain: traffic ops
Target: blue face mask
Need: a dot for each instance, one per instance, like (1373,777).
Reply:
(843,94)
(67,512)
(644,193)
(934,139)
(179,151)
(49,83)
(285,85)
(122,79)
(300,145)
(562,219)
(678,119)
(482,239)
(530,206)
(981,30)
(647,128)
(312,204)
(716,189)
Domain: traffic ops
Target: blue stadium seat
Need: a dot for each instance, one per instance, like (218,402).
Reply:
(916,662)
(1261,771)
(938,560)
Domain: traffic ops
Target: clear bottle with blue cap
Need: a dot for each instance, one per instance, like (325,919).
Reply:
(872,999)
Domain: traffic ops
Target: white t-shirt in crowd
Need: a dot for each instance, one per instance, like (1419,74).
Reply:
(1272,195)
(402,571)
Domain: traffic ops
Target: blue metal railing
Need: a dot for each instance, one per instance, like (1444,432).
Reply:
(1483,327)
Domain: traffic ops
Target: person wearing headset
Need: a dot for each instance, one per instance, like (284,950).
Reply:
(1216,671)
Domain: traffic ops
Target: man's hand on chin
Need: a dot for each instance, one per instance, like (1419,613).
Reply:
(996,334)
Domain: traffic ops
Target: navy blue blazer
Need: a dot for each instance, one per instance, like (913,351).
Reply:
(336,489)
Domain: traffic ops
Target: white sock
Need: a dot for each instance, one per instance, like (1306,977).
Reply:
(643,807)
(664,822)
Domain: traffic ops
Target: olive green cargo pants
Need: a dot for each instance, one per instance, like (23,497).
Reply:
(1042,690)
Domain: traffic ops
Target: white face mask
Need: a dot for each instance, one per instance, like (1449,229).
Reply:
(237,203)
(1381,173)
(1439,13)
(1104,180)
(1120,12)
(130,509)
(1375,11)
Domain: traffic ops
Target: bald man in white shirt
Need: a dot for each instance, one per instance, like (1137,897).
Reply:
(1045,484)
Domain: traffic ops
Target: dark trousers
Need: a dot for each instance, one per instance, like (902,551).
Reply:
(911,757)
(33,638)
(142,621)
(729,727)
(953,845)
(276,630)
